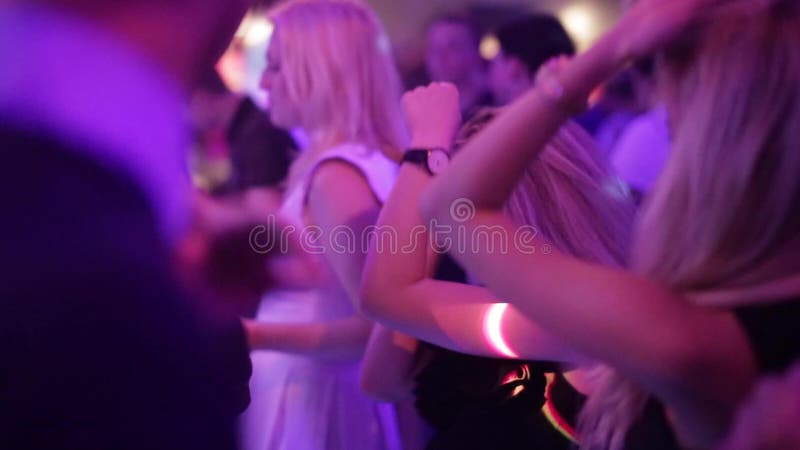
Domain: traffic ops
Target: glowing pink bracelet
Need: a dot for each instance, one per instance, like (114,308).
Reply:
(493,330)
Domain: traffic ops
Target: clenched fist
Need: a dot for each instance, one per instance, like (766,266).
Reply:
(432,114)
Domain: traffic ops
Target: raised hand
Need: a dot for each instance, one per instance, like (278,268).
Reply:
(650,25)
(432,114)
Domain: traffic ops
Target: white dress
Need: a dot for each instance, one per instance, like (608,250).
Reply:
(302,403)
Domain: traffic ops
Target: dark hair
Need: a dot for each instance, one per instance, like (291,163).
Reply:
(464,20)
(211,81)
(535,39)
(260,152)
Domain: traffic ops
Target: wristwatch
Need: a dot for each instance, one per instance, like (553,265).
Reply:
(434,160)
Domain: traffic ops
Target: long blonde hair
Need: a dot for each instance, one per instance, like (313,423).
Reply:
(340,73)
(570,196)
(728,202)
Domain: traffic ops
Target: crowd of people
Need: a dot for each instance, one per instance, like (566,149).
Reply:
(509,255)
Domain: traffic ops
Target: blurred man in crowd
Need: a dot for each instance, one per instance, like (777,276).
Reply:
(453,55)
(525,44)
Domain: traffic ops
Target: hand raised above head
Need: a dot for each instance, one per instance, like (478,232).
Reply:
(650,25)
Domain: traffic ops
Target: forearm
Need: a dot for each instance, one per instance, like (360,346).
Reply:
(433,117)
(693,359)
(298,272)
(469,319)
(398,290)
(339,340)
(486,170)
(403,259)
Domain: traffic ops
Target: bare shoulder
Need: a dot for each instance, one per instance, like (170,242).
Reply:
(337,174)
(340,188)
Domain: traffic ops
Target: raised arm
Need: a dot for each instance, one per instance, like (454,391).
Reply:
(697,360)
(397,289)
(488,167)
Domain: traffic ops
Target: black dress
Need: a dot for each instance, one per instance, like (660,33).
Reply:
(774,335)
(486,403)
(466,400)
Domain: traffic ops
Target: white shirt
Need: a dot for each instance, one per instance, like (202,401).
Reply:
(73,81)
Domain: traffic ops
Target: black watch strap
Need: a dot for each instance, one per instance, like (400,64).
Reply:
(417,156)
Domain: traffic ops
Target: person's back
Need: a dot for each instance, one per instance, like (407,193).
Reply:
(101,348)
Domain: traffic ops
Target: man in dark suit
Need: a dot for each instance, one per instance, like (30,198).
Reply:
(100,347)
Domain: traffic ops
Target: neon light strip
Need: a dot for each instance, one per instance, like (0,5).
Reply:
(551,413)
(493,330)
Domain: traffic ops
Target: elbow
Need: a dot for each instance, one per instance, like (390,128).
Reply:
(370,301)
(372,288)
(688,367)
(669,366)
(381,294)
(702,395)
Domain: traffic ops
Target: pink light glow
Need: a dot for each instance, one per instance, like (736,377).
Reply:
(493,330)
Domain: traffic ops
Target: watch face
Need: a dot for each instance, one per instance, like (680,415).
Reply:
(438,160)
